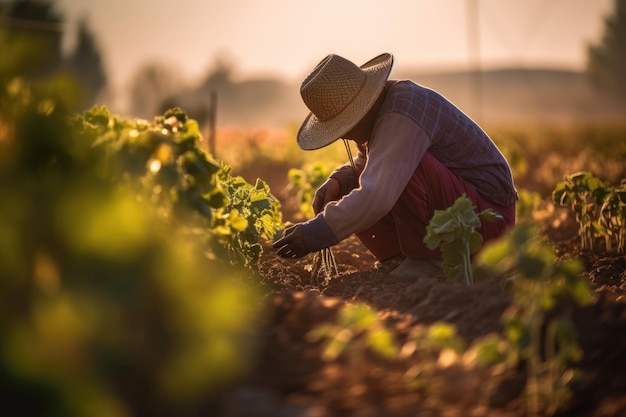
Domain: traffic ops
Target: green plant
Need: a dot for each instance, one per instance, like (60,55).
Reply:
(357,329)
(162,161)
(305,182)
(540,337)
(110,306)
(600,209)
(613,218)
(583,193)
(528,204)
(432,343)
(453,231)
(251,214)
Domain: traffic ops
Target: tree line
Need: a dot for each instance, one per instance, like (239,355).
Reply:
(31,33)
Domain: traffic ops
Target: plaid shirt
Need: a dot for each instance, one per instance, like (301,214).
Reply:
(456,140)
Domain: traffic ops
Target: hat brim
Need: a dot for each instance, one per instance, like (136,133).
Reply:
(315,134)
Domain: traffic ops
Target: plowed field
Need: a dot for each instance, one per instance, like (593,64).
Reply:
(290,376)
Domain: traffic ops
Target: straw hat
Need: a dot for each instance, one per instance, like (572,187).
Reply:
(339,94)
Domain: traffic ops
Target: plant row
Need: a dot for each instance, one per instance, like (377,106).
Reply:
(599,207)
(122,251)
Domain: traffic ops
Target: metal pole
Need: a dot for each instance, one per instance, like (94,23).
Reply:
(473,44)
(212,122)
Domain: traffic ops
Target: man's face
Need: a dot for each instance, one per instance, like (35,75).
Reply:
(359,133)
(363,130)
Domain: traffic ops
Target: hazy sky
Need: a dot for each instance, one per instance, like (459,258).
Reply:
(288,37)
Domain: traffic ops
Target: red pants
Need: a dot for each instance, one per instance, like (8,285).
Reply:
(432,187)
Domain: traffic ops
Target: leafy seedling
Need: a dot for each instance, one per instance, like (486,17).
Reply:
(453,231)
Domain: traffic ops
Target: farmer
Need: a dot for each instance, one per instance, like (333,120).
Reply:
(417,153)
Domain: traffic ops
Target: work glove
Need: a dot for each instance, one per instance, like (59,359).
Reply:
(303,238)
(291,245)
(329,191)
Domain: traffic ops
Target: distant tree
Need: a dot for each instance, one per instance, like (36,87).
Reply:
(31,32)
(87,64)
(153,84)
(606,65)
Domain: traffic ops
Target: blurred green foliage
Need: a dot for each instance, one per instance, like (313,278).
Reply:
(537,332)
(110,304)
(305,181)
(528,204)
(521,143)
(357,329)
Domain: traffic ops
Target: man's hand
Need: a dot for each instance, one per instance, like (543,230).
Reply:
(329,191)
(291,245)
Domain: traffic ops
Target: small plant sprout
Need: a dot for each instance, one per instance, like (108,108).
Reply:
(357,329)
(600,209)
(324,267)
(453,231)
(584,194)
(438,346)
(612,220)
(305,182)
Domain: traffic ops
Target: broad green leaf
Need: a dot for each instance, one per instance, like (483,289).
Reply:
(475,242)
(468,218)
(559,193)
(490,215)
(237,222)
